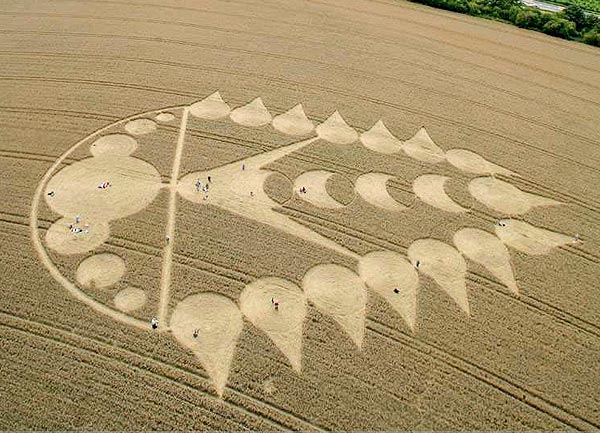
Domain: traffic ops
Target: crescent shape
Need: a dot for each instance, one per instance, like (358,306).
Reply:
(430,189)
(316,193)
(372,189)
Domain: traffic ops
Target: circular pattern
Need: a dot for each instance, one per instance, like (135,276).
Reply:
(130,299)
(134,184)
(100,271)
(61,239)
(114,144)
(165,117)
(140,126)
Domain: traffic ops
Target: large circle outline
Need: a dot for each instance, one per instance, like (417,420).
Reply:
(41,250)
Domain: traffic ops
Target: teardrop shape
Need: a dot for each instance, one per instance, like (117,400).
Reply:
(372,188)
(504,197)
(445,265)
(210,325)
(340,293)
(336,130)
(529,239)
(212,107)
(430,189)
(293,122)
(380,139)
(471,162)
(395,279)
(282,323)
(487,250)
(422,148)
(252,114)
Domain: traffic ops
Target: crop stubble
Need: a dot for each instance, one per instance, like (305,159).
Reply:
(519,99)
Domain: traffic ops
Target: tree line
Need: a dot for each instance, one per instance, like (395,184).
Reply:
(571,23)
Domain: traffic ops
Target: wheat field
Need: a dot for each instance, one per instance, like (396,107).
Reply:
(341,215)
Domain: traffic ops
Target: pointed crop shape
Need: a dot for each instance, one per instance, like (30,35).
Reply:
(380,139)
(211,108)
(253,114)
(341,294)
(336,130)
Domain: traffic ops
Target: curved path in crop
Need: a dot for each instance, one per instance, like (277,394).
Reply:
(512,104)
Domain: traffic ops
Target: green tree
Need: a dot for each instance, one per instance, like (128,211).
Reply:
(502,4)
(529,19)
(559,27)
(513,12)
(592,37)
(577,15)
(474,8)
(500,8)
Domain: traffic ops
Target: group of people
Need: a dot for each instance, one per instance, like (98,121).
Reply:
(76,229)
(303,190)
(203,188)
(105,185)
